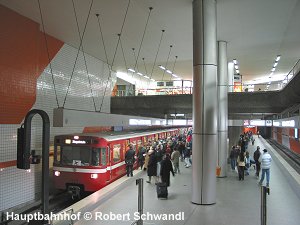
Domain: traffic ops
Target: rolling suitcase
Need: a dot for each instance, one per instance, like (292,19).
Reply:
(162,190)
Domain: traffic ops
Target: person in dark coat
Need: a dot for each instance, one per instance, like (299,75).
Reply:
(166,168)
(141,156)
(129,160)
(256,157)
(152,165)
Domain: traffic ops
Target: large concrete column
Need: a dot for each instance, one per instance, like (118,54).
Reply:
(222,107)
(205,139)
(230,76)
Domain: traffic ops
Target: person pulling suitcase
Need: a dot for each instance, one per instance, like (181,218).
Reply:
(166,168)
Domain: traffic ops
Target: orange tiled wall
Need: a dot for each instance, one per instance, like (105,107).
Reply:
(294,143)
(23,57)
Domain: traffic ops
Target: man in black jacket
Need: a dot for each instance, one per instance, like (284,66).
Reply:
(256,156)
(129,160)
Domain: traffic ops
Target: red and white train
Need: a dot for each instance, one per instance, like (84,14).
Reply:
(87,162)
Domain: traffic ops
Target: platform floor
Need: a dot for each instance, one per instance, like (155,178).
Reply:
(238,202)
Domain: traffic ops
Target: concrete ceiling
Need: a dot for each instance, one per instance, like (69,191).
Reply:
(256,31)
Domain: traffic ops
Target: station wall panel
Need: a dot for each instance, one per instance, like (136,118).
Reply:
(24,87)
(286,137)
(23,57)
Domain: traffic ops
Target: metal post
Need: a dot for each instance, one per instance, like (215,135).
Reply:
(139,182)
(263,208)
(45,152)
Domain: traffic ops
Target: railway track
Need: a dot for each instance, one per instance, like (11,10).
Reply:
(291,157)
(57,203)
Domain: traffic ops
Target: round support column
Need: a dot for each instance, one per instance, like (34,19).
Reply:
(204,102)
(223,108)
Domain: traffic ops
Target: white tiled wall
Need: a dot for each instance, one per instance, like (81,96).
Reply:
(18,186)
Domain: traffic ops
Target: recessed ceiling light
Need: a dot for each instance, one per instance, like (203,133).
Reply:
(169,71)
(275,64)
(273,69)
(234,61)
(140,74)
(163,68)
(278,58)
(132,70)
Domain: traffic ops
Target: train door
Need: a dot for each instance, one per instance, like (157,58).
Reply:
(109,171)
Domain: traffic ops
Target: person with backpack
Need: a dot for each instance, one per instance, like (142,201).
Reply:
(256,156)
(241,165)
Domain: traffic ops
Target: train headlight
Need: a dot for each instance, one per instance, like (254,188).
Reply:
(94,175)
(57,173)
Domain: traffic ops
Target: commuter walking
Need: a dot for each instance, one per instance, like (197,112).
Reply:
(265,160)
(166,168)
(187,155)
(129,160)
(175,159)
(256,156)
(241,165)
(232,158)
(247,163)
(159,157)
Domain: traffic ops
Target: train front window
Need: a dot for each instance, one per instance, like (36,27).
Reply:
(77,156)
(95,157)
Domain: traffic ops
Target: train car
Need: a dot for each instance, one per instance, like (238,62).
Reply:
(87,162)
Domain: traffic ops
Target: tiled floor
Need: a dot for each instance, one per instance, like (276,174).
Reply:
(238,202)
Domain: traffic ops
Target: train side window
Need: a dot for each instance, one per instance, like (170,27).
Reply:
(103,156)
(95,157)
(116,153)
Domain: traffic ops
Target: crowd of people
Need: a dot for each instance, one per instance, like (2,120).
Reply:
(160,158)
(241,160)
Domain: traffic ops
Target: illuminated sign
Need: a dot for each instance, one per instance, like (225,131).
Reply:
(296,133)
(78,142)
(68,141)
(257,122)
(237,87)
(276,123)
(139,122)
(179,122)
(288,123)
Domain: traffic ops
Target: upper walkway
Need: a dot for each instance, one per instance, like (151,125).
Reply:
(238,202)
(241,105)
